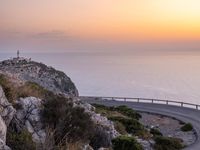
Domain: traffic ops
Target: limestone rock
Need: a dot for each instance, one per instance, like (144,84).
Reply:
(6,109)
(6,115)
(29,116)
(87,147)
(3,145)
(100,120)
(3,129)
(147,145)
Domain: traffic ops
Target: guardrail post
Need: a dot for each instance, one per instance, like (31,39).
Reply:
(125,99)
(167,102)
(152,101)
(197,107)
(138,100)
(112,98)
(181,104)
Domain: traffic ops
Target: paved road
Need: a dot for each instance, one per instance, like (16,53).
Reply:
(180,113)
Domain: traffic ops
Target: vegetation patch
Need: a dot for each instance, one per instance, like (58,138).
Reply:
(20,140)
(125,119)
(131,125)
(167,143)
(187,127)
(122,111)
(9,90)
(125,143)
(13,92)
(70,124)
(155,132)
(32,89)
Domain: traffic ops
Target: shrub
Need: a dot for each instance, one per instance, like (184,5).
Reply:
(120,109)
(144,134)
(155,132)
(131,125)
(70,123)
(167,143)
(125,143)
(120,127)
(100,138)
(128,112)
(20,141)
(187,127)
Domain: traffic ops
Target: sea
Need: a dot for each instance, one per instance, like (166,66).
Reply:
(161,76)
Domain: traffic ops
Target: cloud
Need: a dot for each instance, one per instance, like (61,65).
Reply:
(51,35)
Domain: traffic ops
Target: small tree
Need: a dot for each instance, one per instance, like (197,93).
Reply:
(69,123)
(187,127)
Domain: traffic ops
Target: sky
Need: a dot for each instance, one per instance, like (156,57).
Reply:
(144,26)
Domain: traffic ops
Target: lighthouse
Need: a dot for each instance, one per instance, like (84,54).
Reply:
(18,54)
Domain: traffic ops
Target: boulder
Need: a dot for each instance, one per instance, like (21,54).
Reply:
(100,120)
(6,115)
(6,109)
(3,130)
(28,115)
(3,145)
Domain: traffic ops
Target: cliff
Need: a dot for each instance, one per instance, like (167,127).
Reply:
(40,110)
(51,79)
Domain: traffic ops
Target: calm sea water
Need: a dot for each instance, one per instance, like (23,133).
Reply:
(173,77)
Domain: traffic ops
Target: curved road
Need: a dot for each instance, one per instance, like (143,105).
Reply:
(185,114)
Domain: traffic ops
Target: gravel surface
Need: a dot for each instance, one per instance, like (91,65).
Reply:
(168,126)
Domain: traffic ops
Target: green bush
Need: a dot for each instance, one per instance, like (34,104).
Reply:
(125,143)
(121,109)
(71,124)
(131,125)
(155,132)
(167,143)
(143,134)
(20,141)
(187,127)
(128,112)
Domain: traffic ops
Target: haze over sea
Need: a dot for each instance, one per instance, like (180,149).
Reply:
(174,77)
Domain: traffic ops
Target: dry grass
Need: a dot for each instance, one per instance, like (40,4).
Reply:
(15,91)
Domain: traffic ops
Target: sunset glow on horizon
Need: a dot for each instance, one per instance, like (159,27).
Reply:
(128,20)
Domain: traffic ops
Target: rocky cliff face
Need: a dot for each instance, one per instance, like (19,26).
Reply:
(26,70)
(6,114)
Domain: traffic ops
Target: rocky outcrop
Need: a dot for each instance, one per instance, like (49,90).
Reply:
(28,110)
(3,129)
(6,109)
(6,115)
(28,117)
(47,77)
(102,121)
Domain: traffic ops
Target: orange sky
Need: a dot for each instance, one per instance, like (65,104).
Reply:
(145,20)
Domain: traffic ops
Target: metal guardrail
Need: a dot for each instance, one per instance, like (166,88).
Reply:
(146,100)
